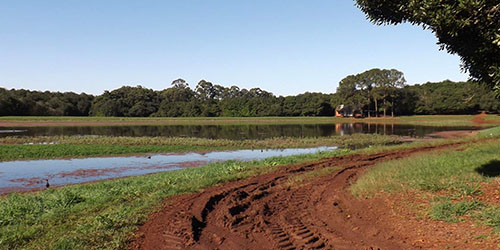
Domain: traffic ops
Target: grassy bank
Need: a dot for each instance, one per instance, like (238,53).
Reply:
(104,215)
(453,181)
(20,148)
(449,171)
(430,120)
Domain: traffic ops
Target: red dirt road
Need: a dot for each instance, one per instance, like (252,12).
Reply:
(265,212)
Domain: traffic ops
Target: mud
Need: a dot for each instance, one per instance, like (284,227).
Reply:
(93,172)
(29,181)
(479,119)
(264,212)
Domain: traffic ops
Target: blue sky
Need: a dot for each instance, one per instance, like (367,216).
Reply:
(283,46)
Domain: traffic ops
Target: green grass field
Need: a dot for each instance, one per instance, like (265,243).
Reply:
(492,118)
(453,179)
(430,120)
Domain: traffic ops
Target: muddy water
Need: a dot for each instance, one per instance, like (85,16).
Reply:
(234,132)
(28,175)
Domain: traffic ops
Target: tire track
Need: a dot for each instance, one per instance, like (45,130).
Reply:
(263,212)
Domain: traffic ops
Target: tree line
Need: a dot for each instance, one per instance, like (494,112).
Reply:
(375,92)
(37,103)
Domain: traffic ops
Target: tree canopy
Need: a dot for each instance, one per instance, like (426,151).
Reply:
(363,91)
(468,28)
(372,92)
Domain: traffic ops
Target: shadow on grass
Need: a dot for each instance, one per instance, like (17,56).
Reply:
(490,169)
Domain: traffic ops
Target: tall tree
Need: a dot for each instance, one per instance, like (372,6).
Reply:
(180,83)
(468,28)
(350,95)
(374,84)
(390,81)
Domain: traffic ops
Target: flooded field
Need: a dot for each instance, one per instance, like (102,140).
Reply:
(29,175)
(234,132)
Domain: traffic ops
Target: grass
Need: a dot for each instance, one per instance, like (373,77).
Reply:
(15,148)
(458,174)
(430,120)
(450,170)
(438,120)
(491,217)
(105,214)
(453,211)
(434,171)
(492,118)
(489,133)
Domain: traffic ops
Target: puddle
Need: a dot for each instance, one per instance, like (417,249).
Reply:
(32,175)
(8,131)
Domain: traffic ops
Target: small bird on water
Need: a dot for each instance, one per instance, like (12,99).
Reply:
(47,185)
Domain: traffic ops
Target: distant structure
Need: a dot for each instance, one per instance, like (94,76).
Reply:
(347,111)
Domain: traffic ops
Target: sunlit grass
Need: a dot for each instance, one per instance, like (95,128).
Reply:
(450,170)
(457,174)
(490,133)
(492,118)
(453,211)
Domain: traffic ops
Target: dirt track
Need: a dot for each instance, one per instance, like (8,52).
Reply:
(264,212)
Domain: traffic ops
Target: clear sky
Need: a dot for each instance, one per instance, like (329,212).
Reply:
(283,46)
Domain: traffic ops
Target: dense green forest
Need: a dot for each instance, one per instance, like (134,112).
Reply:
(373,92)
(25,102)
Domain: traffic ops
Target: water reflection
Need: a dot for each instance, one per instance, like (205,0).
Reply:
(235,132)
(26,175)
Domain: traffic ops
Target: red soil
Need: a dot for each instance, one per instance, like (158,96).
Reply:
(479,119)
(265,212)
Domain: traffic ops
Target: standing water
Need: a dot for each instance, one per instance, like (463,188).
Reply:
(234,132)
(28,175)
